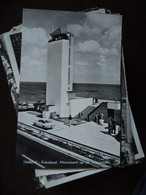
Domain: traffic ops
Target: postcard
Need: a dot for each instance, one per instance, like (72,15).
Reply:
(55,180)
(68,90)
(16,32)
(131,150)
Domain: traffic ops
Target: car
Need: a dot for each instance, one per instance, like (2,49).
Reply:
(23,106)
(44,123)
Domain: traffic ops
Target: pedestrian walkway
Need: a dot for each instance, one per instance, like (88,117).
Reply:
(89,134)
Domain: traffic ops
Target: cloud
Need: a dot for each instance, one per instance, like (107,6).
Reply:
(75,29)
(103,20)
(96,46)
(108,52)
(92,46)
(81,63)
(81,31)
(101,64)
(101,58)
(88,46)
(33,63)
(34,54)
(112,37)
(114,32)
(33,69)
(34,36)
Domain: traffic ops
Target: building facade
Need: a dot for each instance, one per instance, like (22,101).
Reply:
(60,96)
(60,71)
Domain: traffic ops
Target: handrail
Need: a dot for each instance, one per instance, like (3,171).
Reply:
(81,146)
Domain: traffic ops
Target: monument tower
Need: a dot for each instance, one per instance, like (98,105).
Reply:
(60,70)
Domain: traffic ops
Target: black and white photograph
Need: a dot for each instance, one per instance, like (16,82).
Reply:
(131,150)
(65,46)
(10,57)
(69,90)
(53,180)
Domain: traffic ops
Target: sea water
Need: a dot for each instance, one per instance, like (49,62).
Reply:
(36,91)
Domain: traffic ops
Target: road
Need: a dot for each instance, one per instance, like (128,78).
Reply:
(39,156)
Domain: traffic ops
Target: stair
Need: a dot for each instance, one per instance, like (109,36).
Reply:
(85,112)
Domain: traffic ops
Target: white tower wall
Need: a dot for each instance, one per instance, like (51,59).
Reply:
(79,104)
(57,79)
(70,66)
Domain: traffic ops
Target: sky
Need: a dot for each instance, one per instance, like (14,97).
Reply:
(97,45)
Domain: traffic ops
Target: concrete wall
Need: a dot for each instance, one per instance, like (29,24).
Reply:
(64,78)
(124,117)
(57,76)
(71,54)
(114,105)
(46,113)
(78,104)
(102,108)
(117,116)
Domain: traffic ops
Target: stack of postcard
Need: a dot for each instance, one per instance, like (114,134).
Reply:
(74,116)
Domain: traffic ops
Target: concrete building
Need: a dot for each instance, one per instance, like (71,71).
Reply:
(60,96)
(60,67)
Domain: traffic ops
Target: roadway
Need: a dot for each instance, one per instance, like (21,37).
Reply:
(33,149)
(40,156)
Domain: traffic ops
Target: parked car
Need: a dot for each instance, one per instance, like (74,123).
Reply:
(44,123)
(23,106)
